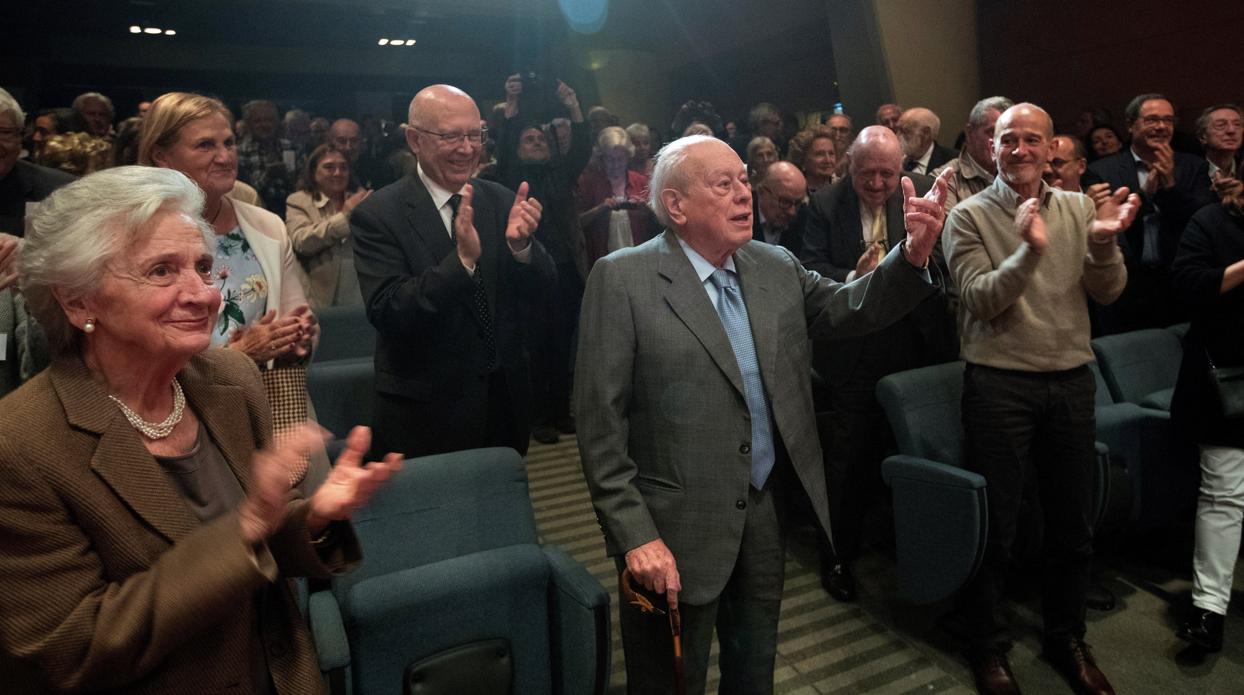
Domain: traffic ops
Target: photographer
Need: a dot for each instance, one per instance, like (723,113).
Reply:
(528,150)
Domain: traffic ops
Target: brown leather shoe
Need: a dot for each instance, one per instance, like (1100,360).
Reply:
(992,673)
(1074,660)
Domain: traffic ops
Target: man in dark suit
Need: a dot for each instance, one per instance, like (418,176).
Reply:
(917,129)
(694,409)
(20,182)
(779,210)
(851,225)
(443,262)
(1172,186)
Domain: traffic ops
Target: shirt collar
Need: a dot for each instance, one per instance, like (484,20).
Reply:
(703,268)
(439,194)
(320,200)
(1012,197)
(969,168)
(924,158)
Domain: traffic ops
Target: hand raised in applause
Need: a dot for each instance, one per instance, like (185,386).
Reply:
(1099,192)
(1161,170)
(350,484)
(8,259)
(513,87)
(869,259)
(464,229)
(524,218)
(1031,226)
(924,217)
(653,565)
(268,338)
(1114,215)
(354,199)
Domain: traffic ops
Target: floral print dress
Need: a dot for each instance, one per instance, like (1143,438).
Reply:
(243,286)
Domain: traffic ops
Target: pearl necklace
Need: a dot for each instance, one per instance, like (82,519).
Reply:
(158,430)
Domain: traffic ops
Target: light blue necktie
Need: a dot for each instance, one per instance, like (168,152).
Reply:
(733,313)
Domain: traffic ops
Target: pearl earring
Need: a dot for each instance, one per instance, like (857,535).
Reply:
(89,326)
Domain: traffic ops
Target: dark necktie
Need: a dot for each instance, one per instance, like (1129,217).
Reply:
(480,299)
(733,313)
(909,164)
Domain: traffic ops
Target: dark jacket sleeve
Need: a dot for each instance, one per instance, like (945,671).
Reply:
(816,251)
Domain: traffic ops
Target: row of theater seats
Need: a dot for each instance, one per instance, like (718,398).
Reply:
(1144,478)
(456,593)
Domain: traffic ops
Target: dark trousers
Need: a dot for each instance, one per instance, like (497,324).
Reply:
(861,438)
(423,428)
(1040,424)
(745,615)
(550,343)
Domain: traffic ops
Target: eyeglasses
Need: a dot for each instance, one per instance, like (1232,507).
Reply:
(475,137)
(1220,126)
(782,201)
(1162,120)
(10,134)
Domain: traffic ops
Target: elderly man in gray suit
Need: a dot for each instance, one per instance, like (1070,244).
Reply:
(694,406)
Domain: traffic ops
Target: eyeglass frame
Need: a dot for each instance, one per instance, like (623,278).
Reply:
(475,137)
(1152,120)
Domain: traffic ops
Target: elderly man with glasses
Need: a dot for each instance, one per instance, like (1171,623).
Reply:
(445,263)
(1172,186)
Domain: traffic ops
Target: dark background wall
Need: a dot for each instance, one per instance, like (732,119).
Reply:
(1066,55)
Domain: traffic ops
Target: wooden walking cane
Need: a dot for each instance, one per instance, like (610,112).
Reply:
(644,604)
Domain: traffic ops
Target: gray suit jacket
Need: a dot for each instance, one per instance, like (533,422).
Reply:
(662,422)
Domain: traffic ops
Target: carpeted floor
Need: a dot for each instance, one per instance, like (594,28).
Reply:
(881,645)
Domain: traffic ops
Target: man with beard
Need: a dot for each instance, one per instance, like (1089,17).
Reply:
(917,129)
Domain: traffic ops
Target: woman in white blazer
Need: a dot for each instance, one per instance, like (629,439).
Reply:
(317,217)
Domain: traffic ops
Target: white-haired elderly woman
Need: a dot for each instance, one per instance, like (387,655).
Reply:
(611,199)
(147,521)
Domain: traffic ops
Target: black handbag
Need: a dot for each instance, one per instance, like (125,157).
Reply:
(1228,386)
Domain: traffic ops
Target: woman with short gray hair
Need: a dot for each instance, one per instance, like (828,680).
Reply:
(148,522)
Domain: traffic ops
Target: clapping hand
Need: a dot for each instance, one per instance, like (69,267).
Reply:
(268,338)
(8,259)
(1161,170)
(1099,192)
(524,218)
(1114,215)
(464,229)
(308,332)
(350,484)
(924,218)
(1031,226)
(869,259)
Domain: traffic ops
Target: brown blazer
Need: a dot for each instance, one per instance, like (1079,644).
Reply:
(107,579)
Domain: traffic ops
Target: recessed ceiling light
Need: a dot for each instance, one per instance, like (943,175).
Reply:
(151,30)
(410,42)
(170,32)
(135,29)
(383,42)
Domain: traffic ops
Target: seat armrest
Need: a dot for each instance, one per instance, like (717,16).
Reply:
(329,632)
(922,470)
(579,626)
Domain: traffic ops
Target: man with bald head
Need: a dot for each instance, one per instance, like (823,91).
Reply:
(444,263)
(779,210)
(888,115)
(1026,257)
(917,129)
(344,133)
(850,227)
(694,409)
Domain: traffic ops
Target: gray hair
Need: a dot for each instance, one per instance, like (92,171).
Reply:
(9,105)
(636,130)
(253,104)
(80,101)
(81,228)
(614,136)
(1202,121)
(670,172)
(999,104)
(760,111)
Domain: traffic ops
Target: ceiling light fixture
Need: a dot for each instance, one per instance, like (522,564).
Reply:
(152,30)
(135,29)
(383,42)
(170,32)
(410,42)
(395,42)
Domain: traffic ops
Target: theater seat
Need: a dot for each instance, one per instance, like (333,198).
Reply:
(455,594)
(940,510)
(1140,367)
(941,513)
(342,392)
(345,333)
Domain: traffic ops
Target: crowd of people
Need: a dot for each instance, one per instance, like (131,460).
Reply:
(539,270)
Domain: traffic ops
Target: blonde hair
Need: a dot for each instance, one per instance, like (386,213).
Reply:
(614,136)
(168,115)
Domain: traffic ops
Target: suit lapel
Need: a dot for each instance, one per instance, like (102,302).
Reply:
(687,298)
(120,458)
(426,221)
(761,316)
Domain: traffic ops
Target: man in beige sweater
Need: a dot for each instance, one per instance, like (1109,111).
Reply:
(1025,256)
